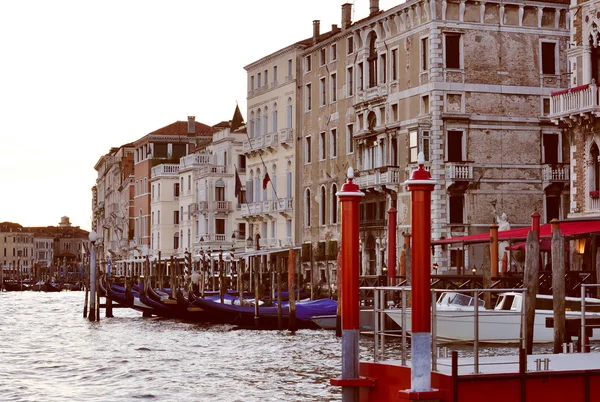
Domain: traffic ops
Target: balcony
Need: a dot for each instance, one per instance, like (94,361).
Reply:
(573,104)
(165,170)
(253,209)
(555,173)
(271,141)
(194,160)
(214,206)
(378,177)
(286,137)
(286,207)
(212,170)
(458,173)
(254,144)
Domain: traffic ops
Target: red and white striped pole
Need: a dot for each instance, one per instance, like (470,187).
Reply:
(350,199)
(421,185)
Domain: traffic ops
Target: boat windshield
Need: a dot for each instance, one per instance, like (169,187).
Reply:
(458,299)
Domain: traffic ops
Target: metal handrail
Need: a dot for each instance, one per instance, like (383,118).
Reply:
(582,338)
(379,332)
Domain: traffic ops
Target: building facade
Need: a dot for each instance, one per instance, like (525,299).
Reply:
(446,80)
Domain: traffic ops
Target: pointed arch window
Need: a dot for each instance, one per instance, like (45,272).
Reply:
(594,169)
(307,208)
(322,206)
(334,204)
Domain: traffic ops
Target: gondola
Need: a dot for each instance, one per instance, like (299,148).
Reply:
(244,316)
(16,286)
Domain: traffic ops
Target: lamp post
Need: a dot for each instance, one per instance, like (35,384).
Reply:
(93,236)
(474,270)
(435,268)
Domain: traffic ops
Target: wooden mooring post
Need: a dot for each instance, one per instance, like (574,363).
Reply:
(531,282)
(558,286)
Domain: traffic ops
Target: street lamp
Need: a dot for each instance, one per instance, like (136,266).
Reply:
(474,270)
(435,267)
(249,242)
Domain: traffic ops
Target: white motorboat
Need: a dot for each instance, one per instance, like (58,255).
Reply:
(455,317)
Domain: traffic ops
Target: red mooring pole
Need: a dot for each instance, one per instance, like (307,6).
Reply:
(350,199)
(421,185)
(391,251)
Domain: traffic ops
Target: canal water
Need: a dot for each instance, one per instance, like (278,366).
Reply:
(49,352)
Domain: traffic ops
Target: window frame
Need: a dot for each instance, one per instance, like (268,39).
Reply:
(460,36)
(555,56)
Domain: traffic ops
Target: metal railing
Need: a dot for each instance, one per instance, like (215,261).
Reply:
(386,300)
(583,338)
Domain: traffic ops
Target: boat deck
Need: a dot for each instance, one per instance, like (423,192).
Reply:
(510,364)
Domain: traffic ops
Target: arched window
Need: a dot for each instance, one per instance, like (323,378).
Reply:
(289,113)
(275,118)
(258,185)
(257,125)
(594,176)
(322,206)
(334,204)
(290,182)
(266,121)
(176,241)
(372,59)
(307,208)
(251,125)
(273,185)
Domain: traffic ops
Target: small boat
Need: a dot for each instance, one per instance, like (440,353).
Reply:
(455,317)
(244,316)
(366,318)
(16,286)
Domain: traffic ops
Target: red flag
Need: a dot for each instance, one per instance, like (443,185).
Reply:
(266,180)
(238,184)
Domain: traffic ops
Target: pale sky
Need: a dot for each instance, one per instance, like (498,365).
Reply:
(79,77)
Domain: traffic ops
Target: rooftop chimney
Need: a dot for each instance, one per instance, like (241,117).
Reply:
(316,30)
(374,9)
(346,15)
(334,28)
(191,124)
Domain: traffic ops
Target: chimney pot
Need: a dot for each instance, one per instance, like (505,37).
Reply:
(346,15)
(374,8)
(316,30)
(191,125)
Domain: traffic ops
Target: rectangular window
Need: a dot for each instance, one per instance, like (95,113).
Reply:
(545,106)
(425,104)
(383,68)
(455,146)
(333,80)
(424,54)
(323,94)
(266,78)
(176,217)
(259,80)
(452,50)
(395,112)
(176,190)
(288,228)
(333,143)
(308,97)
(308,63)
(289,67)
(274,74)
(456,204)
(252,83)
(308,150)
(350,81)
(322,146)
(413,145)
(323,57)
(220,226)
(241,231)
(349,45)
(550,142)
(219,193)
(548,58)
(334,52)
(394,64)
(349,138)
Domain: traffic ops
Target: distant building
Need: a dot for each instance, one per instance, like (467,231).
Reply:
(17,247)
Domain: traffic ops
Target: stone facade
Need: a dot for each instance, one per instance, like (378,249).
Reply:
(467,84)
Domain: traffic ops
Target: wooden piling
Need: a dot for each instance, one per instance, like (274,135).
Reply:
(408,265)
(278,263)
(222,289)
(531,282)
(256,290)
(292,289)
(558,289)
(486,273)
(240,280)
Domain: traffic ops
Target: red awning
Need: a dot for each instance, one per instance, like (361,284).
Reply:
(567,228)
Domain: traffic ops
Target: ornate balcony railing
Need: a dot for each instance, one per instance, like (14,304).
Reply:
(165,170)
(254,144)
(555,173)
(574,102)
(383,176)
(459,171)
(286,137)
